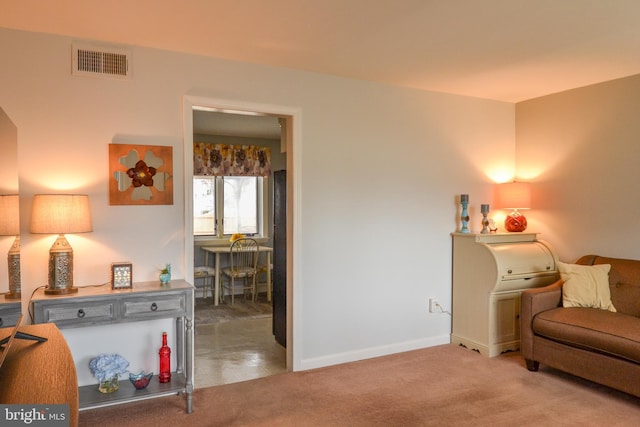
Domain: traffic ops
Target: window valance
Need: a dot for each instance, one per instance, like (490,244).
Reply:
(231,160)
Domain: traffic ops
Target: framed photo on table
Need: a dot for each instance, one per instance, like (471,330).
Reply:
(121,275)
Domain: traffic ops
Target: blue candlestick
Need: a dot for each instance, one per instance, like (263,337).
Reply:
(464,216)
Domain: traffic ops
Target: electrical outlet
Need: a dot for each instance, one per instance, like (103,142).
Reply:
(433,305)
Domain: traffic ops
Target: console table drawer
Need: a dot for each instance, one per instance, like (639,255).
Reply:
(157,306)
(10,312)
(70,315)
(8,318)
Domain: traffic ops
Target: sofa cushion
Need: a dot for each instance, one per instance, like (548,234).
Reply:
(586,286)
(624,282)
(592,329)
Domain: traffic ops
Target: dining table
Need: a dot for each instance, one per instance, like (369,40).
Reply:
(217,251)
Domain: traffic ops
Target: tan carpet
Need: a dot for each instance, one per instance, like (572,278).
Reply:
(439,386)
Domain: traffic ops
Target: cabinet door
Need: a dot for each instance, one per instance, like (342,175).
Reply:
(505,316)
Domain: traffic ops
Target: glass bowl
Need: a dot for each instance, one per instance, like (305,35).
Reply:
(140,380)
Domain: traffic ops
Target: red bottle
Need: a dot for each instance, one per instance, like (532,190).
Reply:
(165,361)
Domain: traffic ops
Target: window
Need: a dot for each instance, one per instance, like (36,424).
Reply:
(204,212)
(238,200)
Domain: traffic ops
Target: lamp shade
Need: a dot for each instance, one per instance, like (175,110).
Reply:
(513,195)
(60,214)
(9,215)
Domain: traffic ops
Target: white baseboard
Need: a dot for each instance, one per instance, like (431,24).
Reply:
(368,353)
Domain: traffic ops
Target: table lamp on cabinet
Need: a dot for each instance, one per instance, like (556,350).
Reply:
(10,226)
(60,214)
(515,196)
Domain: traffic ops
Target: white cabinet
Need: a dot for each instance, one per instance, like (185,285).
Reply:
(490,271)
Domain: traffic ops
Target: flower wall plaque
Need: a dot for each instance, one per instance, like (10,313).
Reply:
(140,174)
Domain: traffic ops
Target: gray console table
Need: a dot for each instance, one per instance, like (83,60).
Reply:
(100,305)
(10,311)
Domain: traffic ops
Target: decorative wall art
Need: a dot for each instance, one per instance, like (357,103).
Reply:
(140,174)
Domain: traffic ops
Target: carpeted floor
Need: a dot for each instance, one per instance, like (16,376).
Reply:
(206,313)
(439,386)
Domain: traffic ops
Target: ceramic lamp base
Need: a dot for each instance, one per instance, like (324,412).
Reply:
(13,259)
(515,222)
(60,268)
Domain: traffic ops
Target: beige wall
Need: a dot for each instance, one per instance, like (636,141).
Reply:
(581,148)
(378,165)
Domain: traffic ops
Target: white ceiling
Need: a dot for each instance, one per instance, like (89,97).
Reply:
(228,124)
(508,50)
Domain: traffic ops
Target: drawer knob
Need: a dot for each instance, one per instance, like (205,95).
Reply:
(509,271)
(81,313)
(154,307)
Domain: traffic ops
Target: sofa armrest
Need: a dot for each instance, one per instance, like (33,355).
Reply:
(534,301)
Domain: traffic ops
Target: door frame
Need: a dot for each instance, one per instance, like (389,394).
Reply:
(293,116)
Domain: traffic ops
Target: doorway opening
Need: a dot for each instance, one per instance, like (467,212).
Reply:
(258,354)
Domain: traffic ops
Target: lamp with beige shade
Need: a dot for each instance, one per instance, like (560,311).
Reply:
(60,214)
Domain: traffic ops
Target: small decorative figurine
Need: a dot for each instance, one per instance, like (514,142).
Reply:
(165,274)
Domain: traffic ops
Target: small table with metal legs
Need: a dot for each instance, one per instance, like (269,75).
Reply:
(217,250)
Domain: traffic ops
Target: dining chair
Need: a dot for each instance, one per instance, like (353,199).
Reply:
(265,270)
(243,265)
(207,274)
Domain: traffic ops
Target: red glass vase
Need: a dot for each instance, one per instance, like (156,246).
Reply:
(164,375)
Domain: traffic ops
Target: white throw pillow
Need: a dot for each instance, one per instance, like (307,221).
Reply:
(586,286)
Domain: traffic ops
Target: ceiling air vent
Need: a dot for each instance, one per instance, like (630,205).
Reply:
(100,61)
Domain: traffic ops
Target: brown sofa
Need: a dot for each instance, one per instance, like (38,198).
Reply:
(598,345)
